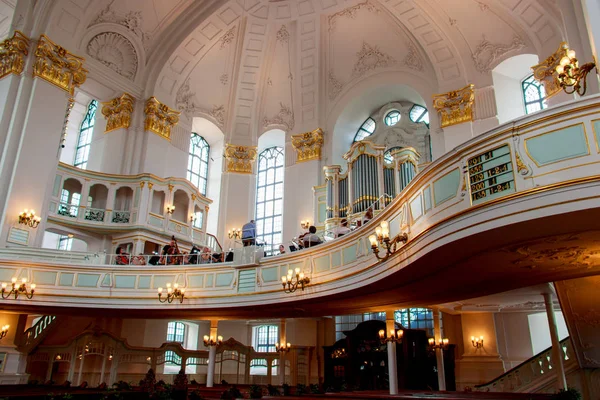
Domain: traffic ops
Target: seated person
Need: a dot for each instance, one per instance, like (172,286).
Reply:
(341,229)
(311,239)
(122,257)
(139,260)
(193,257)
(368,216)
(281,249)
(206,256)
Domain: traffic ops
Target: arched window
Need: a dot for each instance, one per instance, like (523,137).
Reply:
(82,153)
(392,118)
(175,333)
(387,156)
(198,162)
(533,95)
(419,114)
(265,337)
(366,129)
(269,198)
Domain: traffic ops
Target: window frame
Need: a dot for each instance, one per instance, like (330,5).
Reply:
(199,150)
(272,331)
(387,115)
(86,132)
(364,132)
(270,153)
(528,82)
(421,116)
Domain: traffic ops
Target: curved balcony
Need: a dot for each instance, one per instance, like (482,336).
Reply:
(533,220)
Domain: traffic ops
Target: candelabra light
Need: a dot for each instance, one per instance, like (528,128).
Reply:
(291,283)
(235,234)
(170,209)
(173,293)
(477,342)
(382,238)
(28,217)
(16,290)
(283,347)
(442,345)
(571,76)
(193,218)
(395,336)
(4,331)
(305,224)
(210,341)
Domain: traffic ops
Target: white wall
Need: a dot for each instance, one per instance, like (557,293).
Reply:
(539,330)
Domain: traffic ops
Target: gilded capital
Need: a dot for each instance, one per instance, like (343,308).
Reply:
(239,158)
(118,112)
(455,107)
(160,118)
(545,72)
(56,65)
(12,54)
(308,145)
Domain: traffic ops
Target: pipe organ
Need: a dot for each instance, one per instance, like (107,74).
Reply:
(370,180)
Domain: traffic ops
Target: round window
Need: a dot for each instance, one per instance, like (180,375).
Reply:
(392,118)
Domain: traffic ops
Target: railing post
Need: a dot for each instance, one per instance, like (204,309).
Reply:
(557,352)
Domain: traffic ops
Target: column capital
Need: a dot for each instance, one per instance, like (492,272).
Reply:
(308,145)
(456,106)
(118,112)
(545,71)
(12,54)
(239,158)
(160,118)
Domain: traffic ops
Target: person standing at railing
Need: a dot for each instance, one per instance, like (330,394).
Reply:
(249,233)
(122,257)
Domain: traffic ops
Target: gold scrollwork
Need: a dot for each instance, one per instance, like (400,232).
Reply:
(118,112)
(56,65)
(545,72)
(240,158)
(308,145)
(456,106)
(12,54)
(193,197)
(150,185)
(521,167)
(160,118)
(142,183)
(170,186)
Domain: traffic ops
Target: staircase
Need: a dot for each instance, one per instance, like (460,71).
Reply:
(33,336)
(532,374)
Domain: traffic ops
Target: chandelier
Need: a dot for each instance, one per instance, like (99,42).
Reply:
(283,347)
(16,290)
(477,342)
(442,345)
(570,74)
(235,234)
(210,341)
(395,336)
(28,217)
(173,293)
(382,239)
(291,283)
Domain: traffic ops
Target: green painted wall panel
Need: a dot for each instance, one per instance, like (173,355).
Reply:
(322,263)
(427,198)
(322,212)
(66,279)
(196,281)
(297,265)
(562,144)
(162,280)
(349,254)
(44,277)
(269,274)
(210,278)
(247,281)
(597,133)
(224,279)
(336,259)
(87,280)
(446,187)
(416,207)
(125,281)
(144,281)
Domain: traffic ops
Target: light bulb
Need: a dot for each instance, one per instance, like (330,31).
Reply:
(14,280)
(381,334)
(301,275)
(378,231)
(431,341)
(289,345)
(560,69)
(571,53)
(168,285)
(220,338)
(3,285)
(283,279)
(385,225)
(24,280)
(392,332)
(176,285)
(564,61)
(160,290)
(277,345)
(472,338)
(206,338)
(400,333)
(182,290)
(32,286)
(297,271)
(169,290)
(290,272)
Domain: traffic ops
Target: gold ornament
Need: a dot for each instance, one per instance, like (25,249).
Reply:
(12,54)
(308,145)
(118,112)
(56,65)
(455,107)
(160,118)
(240,158)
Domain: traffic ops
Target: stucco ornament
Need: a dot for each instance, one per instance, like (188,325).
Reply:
(545,71)
(350,12)
(227,38)
(413,59)
(370,58)
(185,101)
(308,145)
(456,106)
(487,54)
(132,21)
(160,118)
(12,54)
(284,117)
(283,36)
(335,86)
(116,52)
(118,112)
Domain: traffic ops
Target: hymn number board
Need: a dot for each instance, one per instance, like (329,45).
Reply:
(491,175)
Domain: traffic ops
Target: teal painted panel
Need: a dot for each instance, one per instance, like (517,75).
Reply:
(446,187)
(427,198)
(87,280)
(322,212)
(269,274)
(196,281)
(210,280)
(336,259)
(416,207)
(224,279)
(106,281)
(597,133)
(44,278)
(349,254)
(125,281)
(66,279)
(322,263)
(162,280)
(136,198)
(297,265)
(247,281)
(283,270)
(563,144)
(154,221)
(144,281)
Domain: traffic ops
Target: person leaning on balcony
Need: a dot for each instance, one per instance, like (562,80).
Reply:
(342,229)
(249,233)
(311,239)
(368,216)
(138,260)
(281,249)
(122,257)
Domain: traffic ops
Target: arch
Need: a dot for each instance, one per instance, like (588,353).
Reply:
(123,199)
(269,198)
(197,170)
(158,202)
(181,201)
(70,198)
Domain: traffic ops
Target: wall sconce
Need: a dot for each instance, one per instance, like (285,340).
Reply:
(305,224)
(477,342)
(4,331)
(382,238)
(443,345)
(27,217)
(570,74)
(395,336)
(173,293)
(193,218)
(170,209)
(235,234)
(210,341)
(17,290)
(283,347)
(290,285)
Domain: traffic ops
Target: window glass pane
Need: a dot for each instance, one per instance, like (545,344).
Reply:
(366,129)
(533,95)
(392,118)
(198,162)
(269,186)
(84,141)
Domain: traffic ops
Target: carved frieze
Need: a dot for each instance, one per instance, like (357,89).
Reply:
(545,72)
(56,65)
(12,54)
(455,107)
(308,145)
(487,54)
(160,118)
(116,52)
(227,38)
(239,158)
(118,112)
(283,36)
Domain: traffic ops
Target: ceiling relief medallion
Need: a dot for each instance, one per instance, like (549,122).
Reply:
(370,58)
(350,12)
(487,54)
(335,86)
(185,101)
(412,59)
(132,21)
(227,38)
(283,36)
(114,51)
(285,117)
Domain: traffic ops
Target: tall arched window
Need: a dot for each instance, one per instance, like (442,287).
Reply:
(175,333)
(265,337)
(419,114)
(198,162)
(269,198)
(533,95)
(82,153)
(366,129)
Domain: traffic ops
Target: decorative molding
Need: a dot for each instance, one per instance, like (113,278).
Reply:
(350,12)
(116,52)
(487,54)
(284,117)
(308,145)
(118,112)
(239,158)
(132,21)
(12,54)
(413,59)
(545,72)
(227,38)
(456,106)
(482,6)
(370,58)
(224,79)
(160,118)
(185,101)
(283,36)
(521,167)
(219,114)
(335,86)
(56,65)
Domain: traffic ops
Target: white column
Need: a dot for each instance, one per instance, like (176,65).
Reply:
(439,353)
(380,180)
(391,351)
(557,352)
(282,340)
(212,355)
(104,357)
(81,366)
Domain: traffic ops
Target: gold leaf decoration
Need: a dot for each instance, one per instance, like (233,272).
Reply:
(56,65)
(240,158)
(160,118)
(118,112)
(308,145)
(455,107)
(12,54)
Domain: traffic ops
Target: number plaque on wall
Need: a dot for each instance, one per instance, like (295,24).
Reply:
(491,175)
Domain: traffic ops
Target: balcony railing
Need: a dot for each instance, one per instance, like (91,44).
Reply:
(68,210)
(121,217)
(95,214)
